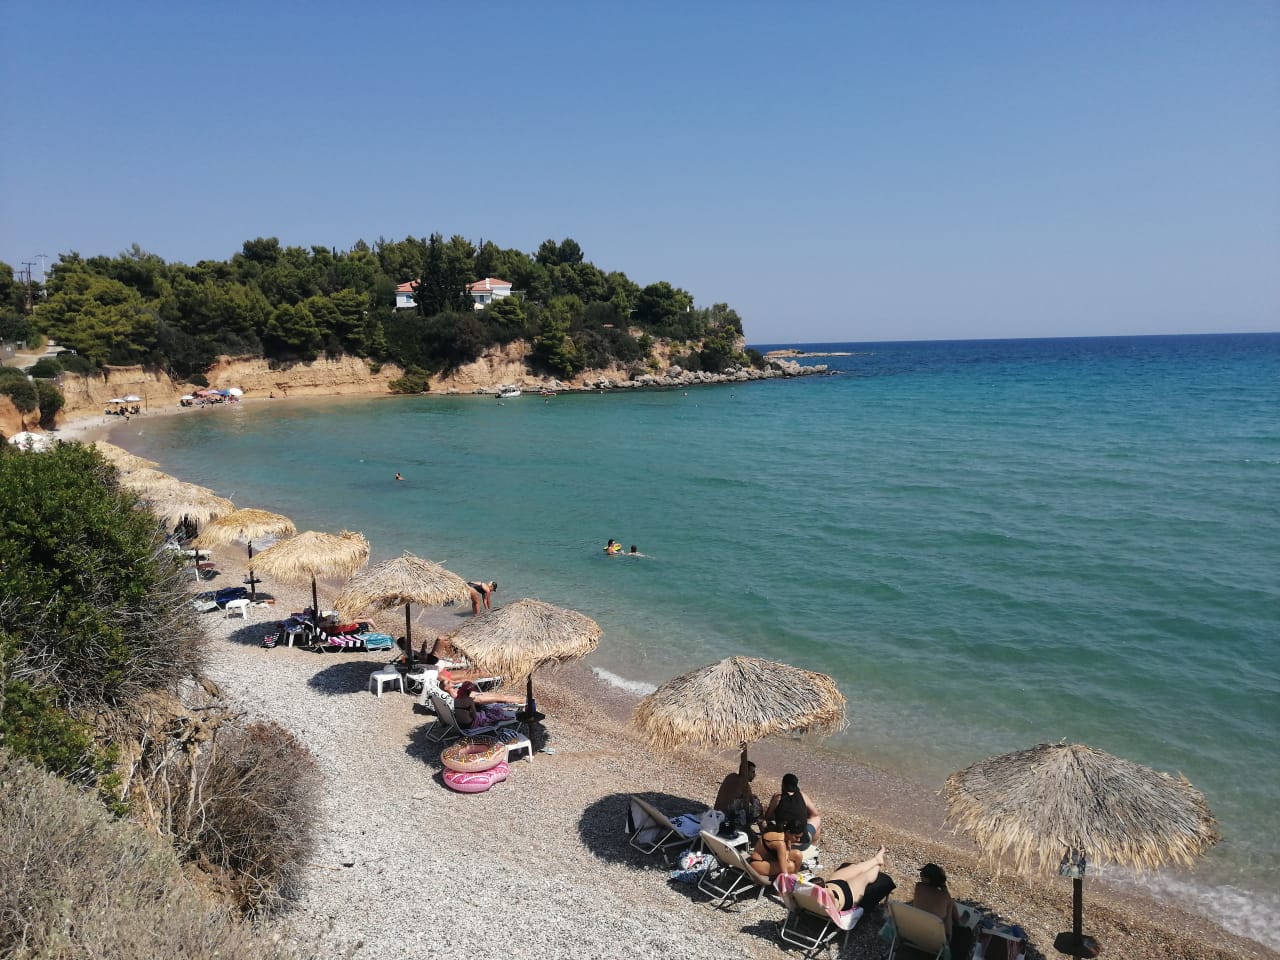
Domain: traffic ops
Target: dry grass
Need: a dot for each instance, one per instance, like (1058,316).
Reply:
(78,885)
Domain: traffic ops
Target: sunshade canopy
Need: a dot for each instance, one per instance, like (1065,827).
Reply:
(518,638)
(403,580)
(245,525)
(1032,806)
(122,459)
(736,700)
(314,554)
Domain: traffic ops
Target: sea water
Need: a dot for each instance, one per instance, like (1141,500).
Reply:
(988,544)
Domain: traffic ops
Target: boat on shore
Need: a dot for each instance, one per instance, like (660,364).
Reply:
(507,392)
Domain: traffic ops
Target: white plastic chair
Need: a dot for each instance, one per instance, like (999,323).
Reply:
(240,607)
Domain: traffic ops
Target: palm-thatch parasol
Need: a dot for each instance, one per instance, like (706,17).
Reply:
(122,459)
(518,638)
(181,501)
(1056,804)
(738,700)
(312,554)
(246,524)
(404,580)
(145,480)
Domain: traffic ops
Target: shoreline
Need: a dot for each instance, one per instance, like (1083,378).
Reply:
(905,815)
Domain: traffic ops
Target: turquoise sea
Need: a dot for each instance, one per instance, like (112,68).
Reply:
(988,543)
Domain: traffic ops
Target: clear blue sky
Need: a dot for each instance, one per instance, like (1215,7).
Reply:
(834,171)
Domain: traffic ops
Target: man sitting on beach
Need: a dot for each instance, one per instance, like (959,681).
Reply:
(735,798)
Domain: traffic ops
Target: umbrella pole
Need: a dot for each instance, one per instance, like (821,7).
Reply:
(408,637)
(1077,911)
(253,583)
(315,599)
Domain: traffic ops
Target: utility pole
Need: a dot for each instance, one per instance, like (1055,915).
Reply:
(26,284)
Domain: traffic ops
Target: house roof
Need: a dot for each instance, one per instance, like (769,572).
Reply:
(406,287)
(488,284)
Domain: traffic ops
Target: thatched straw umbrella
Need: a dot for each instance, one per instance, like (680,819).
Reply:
(405,580)
(122,459)
(145,480)
(736,701)
(1058,803)
(186,501)
(518,638)
(245,525)
(312,554)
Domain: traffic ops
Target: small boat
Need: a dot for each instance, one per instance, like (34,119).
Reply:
(544,392)
(506,393)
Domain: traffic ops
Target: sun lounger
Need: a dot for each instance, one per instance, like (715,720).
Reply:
(918,930)
(809,906)
(732,875)
(650,830)
(446,726)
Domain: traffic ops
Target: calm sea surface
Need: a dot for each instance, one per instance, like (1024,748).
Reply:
(988,543)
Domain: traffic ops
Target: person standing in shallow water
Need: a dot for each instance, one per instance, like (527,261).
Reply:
(481,591)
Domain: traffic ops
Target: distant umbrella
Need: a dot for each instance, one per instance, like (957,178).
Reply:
(245,525)
(737,700)
(520,637)
(313,554)
(132,398)
(1056,805)
(144,481)
(122,459)
(405,580)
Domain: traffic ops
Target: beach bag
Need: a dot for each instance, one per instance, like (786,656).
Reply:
(711,821)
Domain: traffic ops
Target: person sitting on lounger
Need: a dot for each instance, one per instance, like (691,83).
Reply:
(792,804)
(773,853)
(849,881)
(931,894)
(471,708)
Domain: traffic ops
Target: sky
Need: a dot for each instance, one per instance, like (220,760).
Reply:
(833,171)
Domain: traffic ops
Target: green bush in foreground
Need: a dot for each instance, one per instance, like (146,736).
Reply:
(78,885)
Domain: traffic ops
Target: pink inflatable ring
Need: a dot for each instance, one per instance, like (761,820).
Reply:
(474,755)
(475,781)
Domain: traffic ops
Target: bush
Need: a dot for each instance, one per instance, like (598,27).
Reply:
(80,886)
(199,379)
(250,811)
(104,613)
(415,380)
(15,385)
(46,367)
(74,363)
(51,401)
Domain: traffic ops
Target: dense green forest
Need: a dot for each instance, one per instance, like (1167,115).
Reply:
(297,304)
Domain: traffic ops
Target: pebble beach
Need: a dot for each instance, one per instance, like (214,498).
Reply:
(539,865)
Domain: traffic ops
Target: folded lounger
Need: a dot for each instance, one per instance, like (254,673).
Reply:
(650,830)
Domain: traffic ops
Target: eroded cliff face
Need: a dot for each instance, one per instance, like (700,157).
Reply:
(89,394)
(11,421)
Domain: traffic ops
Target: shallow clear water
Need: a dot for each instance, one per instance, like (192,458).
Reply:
(988,543)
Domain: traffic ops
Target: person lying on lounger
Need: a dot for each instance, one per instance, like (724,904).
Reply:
(849,881)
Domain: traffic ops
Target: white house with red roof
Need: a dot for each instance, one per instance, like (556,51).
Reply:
(483,292)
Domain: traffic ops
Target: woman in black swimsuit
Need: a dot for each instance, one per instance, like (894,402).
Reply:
(850,880)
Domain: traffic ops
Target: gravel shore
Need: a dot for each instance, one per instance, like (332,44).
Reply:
(539,865)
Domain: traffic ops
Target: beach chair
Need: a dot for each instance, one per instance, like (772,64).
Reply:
(917,930)
(446,726)
(809,904)
(732,875)
(650,830)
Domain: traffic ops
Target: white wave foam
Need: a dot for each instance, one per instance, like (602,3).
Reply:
(622,683)
(1247,913)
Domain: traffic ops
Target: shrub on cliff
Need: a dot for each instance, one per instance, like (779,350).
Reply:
(81,886)
(100,612)
(415,380)
(46,367)
(51,401)
(15,385)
